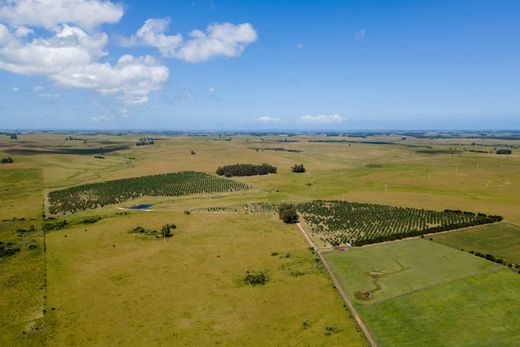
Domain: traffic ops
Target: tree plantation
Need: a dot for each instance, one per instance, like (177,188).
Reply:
(100,194)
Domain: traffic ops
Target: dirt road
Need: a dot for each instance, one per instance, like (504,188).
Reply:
(338,286)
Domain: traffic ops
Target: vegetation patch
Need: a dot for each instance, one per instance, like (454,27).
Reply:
(90,220)
(246,170)
(288,213)
(340,222)
(166,231)
(54,225)
(8,249)
(7,160)
(255,278)
(298,168)
(100,194)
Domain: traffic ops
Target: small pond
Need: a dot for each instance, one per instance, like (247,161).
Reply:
(140,207)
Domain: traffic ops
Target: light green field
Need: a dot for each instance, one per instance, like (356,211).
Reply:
(501,240)
(427,294)
(179,290)
(393,269)
(474,311)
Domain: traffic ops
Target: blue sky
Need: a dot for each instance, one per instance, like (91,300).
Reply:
(260,65)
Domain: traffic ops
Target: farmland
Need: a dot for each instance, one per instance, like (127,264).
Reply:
(112,192)
(341,221)
(96,283)
(501,240)
(435,295)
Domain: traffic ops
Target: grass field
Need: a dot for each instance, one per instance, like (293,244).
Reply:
(153,292)
(424,293)
(188,288)
(501,240)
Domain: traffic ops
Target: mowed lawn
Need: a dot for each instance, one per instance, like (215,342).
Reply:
(109,287)
(427,294)
(502,240)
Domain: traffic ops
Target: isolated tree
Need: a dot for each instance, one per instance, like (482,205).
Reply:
(288,213)
(13,137)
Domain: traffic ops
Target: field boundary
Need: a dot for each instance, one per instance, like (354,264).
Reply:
(339,288)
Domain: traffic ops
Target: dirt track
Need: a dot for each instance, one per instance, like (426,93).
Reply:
(338,286)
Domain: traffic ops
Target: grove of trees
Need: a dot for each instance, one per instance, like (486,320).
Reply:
(245,170)
(288,213)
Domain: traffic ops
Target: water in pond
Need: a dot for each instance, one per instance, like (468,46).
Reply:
(141,207)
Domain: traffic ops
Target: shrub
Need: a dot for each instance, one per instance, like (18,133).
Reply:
(57,225)
(298,168)
(504,151)
(288,213)
(255,278)
(7,160)
(8,249)
(90,220)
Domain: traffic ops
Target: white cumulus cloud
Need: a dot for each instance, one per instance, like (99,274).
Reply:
(68,46)
(322,119)
(87,14)
(219,39)
(62,40)
(136,77)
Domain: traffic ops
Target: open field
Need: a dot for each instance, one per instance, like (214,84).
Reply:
(434,289)
(188,288)
(501,240)
(182,289)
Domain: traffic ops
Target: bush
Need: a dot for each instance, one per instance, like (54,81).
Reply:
(7,160)
(298,168)
(90,220)
(504,151)
(288,214)
(8,249)
(57,225)
(245,170)
(255,278)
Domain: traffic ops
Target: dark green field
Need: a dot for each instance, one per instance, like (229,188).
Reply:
(502,240)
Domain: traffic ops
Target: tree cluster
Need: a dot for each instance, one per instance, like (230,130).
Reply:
(145,141)
(245,170)
(298,168)
(7,160)
(288,213)
(504,151)
(166,231)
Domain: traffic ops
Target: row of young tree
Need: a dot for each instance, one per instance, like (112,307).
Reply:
(339,222)
(246,170)
(94,195)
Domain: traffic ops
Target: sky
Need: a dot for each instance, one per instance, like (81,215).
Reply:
(260,65)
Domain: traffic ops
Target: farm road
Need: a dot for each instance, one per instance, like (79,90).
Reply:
(338,286)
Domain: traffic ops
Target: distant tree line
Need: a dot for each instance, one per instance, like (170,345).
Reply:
(245,170)
(7,160)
